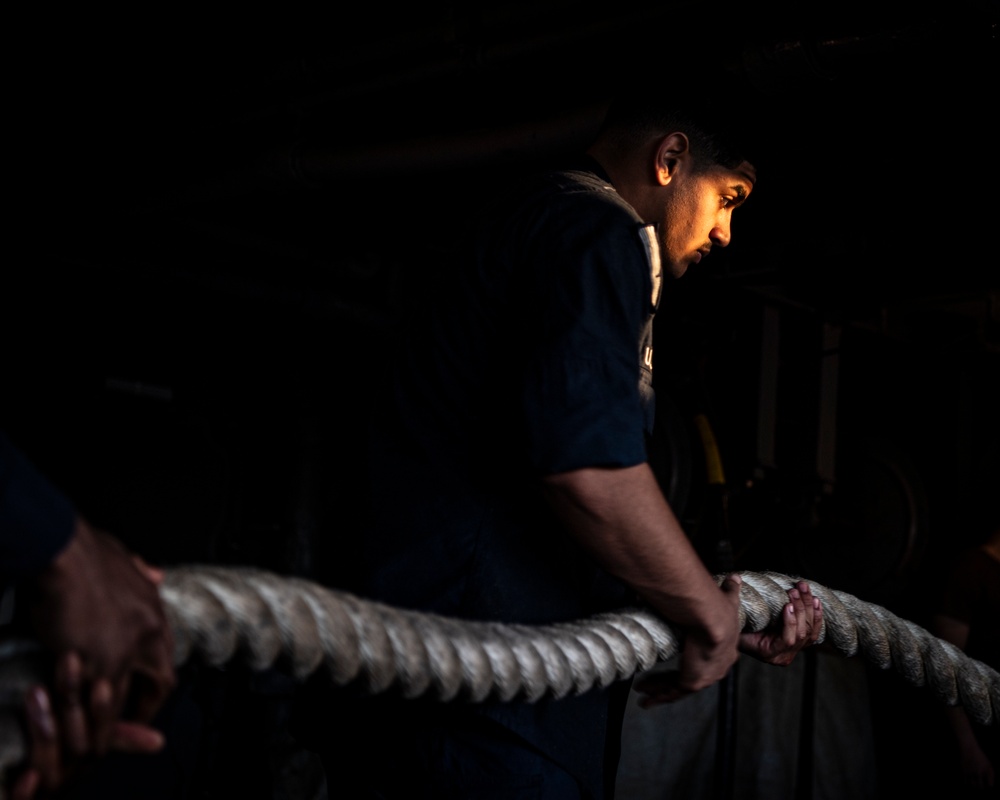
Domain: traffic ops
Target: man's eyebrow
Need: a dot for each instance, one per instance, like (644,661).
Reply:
(740,191)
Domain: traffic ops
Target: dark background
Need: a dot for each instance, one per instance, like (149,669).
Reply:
(216,220)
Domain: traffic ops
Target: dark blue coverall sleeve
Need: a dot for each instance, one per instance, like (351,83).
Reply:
(591,288)
(36,519)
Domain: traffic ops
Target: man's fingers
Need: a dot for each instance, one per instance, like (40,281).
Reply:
(802,622)
(659,688)
(731,588)
(811,616)
(666,695)
(150,701)
(68,699)
(795,629)
(104,710)
(43,737)
(799,623)
(155,679)
(817,619)
(26,785)
(132,737)
(154,574)
(808,611)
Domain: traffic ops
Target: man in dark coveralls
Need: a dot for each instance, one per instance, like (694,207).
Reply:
(509,465)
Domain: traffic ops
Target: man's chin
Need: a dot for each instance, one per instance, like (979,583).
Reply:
(676,270)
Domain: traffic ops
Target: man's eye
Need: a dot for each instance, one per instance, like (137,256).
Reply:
(728,202)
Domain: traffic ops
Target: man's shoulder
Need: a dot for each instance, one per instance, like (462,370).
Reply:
(578,179)
(574,188)
(568,207)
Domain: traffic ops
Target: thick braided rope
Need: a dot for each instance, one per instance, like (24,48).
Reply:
(219,614)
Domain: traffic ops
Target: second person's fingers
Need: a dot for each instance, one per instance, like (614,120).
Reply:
(71,712)
(43,739)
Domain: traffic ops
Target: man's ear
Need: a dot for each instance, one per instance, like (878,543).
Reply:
(671,151)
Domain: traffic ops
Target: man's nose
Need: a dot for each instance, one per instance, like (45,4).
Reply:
(721,234)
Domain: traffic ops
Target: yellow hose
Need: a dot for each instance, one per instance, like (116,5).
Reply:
(713,461)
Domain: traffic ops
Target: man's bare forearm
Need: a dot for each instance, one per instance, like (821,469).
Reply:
(621,516)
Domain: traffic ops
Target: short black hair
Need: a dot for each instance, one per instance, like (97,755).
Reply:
(719,110)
